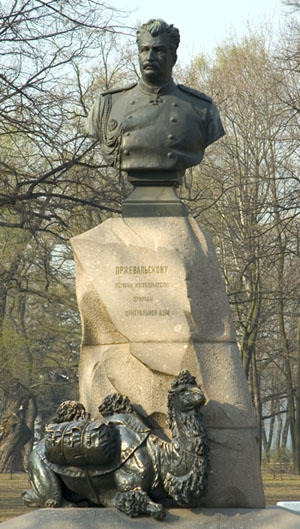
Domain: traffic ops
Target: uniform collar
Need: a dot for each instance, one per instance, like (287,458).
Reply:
(157,90)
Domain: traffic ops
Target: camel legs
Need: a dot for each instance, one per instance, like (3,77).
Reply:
(46,485)
(136,502)
(132,480)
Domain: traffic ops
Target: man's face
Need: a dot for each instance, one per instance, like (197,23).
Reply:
(155,58)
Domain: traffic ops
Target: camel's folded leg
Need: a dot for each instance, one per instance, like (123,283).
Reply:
(136,502)
(46,486)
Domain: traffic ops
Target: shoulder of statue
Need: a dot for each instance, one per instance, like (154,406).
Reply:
(119,89)
(195,93)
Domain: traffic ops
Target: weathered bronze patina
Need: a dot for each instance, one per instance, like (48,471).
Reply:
(155,129)
(118,461)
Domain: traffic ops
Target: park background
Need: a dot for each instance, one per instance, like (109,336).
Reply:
(55,59)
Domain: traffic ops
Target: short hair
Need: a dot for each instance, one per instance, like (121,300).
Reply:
(156,26)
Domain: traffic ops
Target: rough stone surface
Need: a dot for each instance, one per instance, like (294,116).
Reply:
(187,283)
(270,518)
(153,302)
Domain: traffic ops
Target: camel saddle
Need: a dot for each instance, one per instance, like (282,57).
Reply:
(98,447)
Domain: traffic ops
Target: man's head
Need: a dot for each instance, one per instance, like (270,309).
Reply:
(157,43)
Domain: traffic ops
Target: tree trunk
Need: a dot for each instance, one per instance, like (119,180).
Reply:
(16,424)
(267,440)
(248,341)
(278,434)
(255,387)
(285,432)
(265,444)
(297,426)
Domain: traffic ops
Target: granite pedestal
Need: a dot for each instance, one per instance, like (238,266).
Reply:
(153,302)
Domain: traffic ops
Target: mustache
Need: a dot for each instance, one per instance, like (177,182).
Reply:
(149,63)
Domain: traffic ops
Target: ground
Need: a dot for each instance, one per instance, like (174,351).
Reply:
(278,487)
(11,487)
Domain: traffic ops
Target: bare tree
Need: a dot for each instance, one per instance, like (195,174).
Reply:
(49,55)
(54,56)
(245,193)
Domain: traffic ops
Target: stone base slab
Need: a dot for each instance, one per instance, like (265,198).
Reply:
(270,518)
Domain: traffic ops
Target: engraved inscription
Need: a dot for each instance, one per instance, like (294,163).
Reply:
(142,298)
(142,269)
(159,284)
(152,285)
(124,285)
(138,288)
(145,312)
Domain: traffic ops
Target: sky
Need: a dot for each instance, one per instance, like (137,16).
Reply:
(205,24)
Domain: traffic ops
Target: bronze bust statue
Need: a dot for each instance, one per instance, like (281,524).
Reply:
(154,128)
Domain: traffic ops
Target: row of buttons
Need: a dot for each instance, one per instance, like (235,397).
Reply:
(171,137)
(173,119)
(160,99)
(170,154)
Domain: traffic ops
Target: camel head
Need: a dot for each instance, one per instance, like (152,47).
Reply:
(184,395)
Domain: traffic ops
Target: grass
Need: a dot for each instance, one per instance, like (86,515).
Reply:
(11,504)
(279,487)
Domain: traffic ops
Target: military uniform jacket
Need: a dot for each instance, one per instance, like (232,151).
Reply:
(141,127)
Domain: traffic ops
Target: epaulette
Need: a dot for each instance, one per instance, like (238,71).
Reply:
(194,92)
(119,89)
